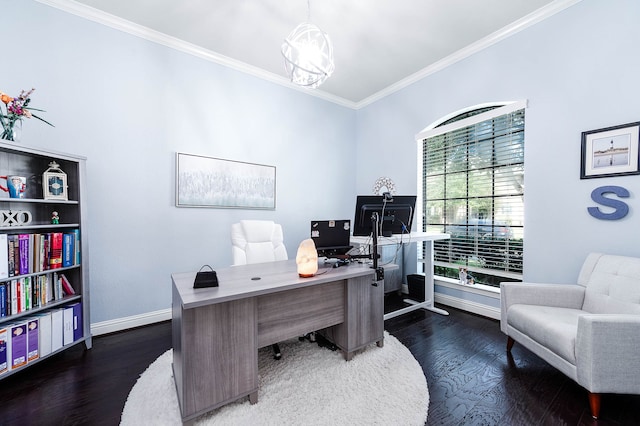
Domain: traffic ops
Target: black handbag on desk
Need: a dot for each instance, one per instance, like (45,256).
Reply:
(206,278)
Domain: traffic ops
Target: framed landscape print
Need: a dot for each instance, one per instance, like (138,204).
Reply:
(214,182)
(612,151)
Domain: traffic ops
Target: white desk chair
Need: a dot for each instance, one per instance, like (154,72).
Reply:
(257,241)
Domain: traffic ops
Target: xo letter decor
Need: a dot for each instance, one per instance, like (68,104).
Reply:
(15,218)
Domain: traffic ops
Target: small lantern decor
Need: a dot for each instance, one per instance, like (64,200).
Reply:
(307,259)
(54,183)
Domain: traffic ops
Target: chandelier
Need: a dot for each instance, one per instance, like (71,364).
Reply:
(308,55)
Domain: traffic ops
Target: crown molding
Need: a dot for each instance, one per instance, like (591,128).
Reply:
(137,30)
(112,21)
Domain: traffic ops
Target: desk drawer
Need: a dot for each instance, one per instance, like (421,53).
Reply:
(292,313)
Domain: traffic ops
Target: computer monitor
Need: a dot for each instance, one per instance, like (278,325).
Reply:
(331,237)
(395,214)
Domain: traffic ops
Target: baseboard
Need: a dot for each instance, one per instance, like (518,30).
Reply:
(125,323)
(119,324)
(466,305)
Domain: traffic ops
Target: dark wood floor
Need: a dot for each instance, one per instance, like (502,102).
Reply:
(471,379)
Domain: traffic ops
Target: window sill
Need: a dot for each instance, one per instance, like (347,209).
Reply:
(479,299)
(481,289)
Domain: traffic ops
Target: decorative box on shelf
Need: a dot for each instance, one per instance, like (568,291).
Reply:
(54,183)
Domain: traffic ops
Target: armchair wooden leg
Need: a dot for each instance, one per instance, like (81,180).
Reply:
(510,343)
(594,403)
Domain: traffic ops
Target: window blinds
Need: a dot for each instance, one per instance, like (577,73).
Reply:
(472,184)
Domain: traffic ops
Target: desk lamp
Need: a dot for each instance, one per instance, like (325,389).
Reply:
(307,259)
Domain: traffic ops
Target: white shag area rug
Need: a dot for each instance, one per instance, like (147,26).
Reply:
(310,385)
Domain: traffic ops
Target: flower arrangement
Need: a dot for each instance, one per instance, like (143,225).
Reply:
(16,109)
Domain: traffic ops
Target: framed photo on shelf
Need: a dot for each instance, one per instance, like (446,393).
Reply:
(217,183)
(612,151)
(54,183)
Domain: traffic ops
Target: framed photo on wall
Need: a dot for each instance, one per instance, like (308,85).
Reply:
(217,183)
(613,151)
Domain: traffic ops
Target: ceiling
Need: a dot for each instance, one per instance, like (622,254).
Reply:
(379,45)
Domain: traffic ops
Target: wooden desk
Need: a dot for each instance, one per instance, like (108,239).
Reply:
(217,331)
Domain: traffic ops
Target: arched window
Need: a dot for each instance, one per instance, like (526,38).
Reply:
(471,185)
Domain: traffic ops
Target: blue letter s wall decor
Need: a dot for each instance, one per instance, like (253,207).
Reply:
(620,208)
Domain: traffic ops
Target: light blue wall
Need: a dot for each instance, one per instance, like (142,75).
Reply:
(129,105)
(579,72)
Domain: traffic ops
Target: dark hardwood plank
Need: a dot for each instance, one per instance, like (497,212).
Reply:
(472,380)
(83,387)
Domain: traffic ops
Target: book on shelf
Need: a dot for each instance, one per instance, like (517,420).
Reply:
(25,283)
(68,249)
(55,252)
(11,254)
(44,329)
(57,287)
(4,349)
(20,296)
(12,295)
(15,297)
(16,254)
(39,246)
(56,329)
(35,292)
(32,339)
(4,256)
(18,349)
(39,259)
(4,299)
(48,285)
(66,285)
(47,252)
(76,246)
(34,249)
(67,326)
(50,288)
(23,245)
(77,321)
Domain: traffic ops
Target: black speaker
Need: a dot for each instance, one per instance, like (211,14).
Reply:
(415,282)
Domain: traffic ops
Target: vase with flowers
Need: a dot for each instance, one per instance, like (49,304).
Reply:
(16,109)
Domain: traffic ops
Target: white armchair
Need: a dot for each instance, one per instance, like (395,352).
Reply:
(589,331)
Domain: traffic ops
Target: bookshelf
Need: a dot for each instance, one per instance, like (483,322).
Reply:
(38,277)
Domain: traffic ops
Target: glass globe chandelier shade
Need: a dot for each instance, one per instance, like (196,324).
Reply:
(308,55)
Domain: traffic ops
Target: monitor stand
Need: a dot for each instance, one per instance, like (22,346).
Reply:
(375,222)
